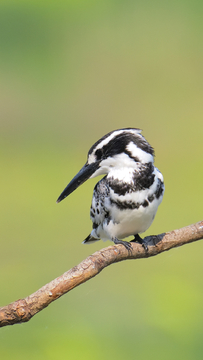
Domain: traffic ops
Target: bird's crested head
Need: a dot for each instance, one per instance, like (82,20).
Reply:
(118,149)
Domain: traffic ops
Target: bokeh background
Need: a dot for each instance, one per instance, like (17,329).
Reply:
(70,72)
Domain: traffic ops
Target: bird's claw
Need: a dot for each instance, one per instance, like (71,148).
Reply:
(127,244)
(141,241)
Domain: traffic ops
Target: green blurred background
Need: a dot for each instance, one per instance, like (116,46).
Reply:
(70,72)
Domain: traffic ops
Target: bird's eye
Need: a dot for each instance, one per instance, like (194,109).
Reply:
(98,154)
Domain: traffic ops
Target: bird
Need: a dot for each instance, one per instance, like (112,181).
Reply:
(126,199)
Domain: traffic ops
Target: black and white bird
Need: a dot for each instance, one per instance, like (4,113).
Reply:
(126,199)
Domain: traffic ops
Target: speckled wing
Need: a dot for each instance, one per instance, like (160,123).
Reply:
(98,211)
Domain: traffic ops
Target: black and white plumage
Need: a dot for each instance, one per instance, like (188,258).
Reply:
(126,199)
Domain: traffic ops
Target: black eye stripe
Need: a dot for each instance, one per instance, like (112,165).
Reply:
(98,154)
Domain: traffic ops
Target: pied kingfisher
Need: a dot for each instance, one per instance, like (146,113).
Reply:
(126,199)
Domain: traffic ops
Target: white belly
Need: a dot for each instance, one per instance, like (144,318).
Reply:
(128,222)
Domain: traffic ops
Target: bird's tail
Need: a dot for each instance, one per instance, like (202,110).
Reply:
(89,240)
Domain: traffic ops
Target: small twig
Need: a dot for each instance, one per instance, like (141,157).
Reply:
(23,310)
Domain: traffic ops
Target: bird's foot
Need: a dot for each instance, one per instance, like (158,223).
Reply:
(153,240)
(141,241)
(127,244)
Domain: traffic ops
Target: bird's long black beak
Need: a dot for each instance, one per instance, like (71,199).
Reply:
(83,175)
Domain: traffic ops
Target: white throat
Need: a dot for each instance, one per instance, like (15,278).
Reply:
(120,164)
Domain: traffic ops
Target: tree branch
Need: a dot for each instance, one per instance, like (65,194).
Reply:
(24,309)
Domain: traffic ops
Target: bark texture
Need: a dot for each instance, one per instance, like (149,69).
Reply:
(24,309)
